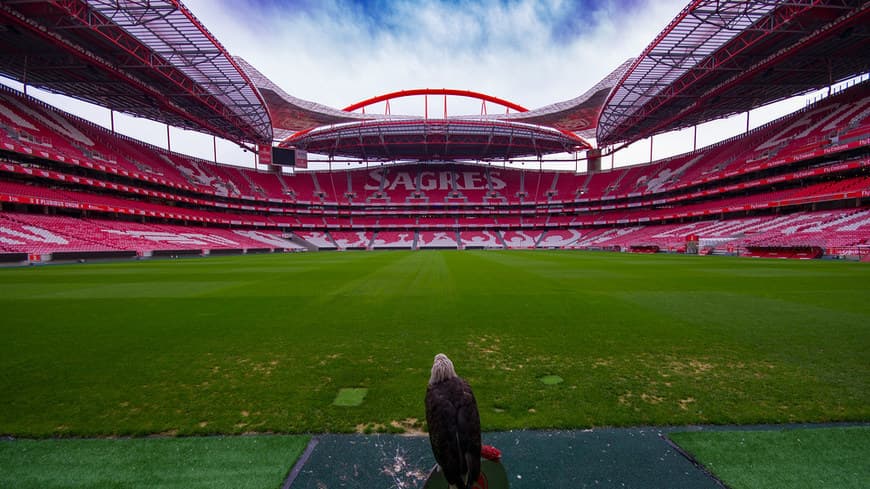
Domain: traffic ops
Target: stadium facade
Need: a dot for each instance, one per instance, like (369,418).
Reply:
(798,186)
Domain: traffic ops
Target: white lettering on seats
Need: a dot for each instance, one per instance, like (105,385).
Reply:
(13,116)
(404,179)
(378,177)
(39,235)
(430,180)
(55,122)
(836,111)
(175,238)
(266,238)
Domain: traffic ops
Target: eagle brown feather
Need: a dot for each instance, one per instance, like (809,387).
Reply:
(454,424)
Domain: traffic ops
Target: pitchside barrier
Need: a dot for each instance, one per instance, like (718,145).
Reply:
(13,257)
(793,252)
(644,249)
(91,255)
(176,253)
(226,251)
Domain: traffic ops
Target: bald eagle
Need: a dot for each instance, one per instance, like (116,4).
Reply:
(454,424)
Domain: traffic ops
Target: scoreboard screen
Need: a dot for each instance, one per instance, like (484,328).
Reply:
(289,157)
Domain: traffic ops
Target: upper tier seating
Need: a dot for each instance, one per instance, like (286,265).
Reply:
(30,126)
(84,199)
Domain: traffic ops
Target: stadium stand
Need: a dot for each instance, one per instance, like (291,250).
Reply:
(55,163)
(832,231)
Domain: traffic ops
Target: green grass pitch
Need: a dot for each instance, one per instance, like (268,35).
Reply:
(266,343)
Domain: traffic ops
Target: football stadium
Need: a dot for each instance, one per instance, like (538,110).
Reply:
(700,320)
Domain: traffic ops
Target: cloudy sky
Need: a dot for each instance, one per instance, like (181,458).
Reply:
(336,52)
(533,52)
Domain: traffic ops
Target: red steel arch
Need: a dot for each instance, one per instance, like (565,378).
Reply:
(435,91)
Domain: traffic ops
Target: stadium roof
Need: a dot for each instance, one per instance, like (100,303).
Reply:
(290,114)
(436,140)
(151,59)
(721,58)
(578,115)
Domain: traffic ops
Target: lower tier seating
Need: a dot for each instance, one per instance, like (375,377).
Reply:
(351,240)
(841,231)
(40,234)
(393,239)
(437,239)
(480,239)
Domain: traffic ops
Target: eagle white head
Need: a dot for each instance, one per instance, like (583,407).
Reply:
(442,369)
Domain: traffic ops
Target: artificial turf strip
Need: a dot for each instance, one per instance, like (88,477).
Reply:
(241,462)
(812,458)
(264,343)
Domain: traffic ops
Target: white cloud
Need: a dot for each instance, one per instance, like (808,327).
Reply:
(337,56)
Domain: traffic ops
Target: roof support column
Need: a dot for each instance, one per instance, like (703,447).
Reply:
(650,148)
(24,77)
(168,141)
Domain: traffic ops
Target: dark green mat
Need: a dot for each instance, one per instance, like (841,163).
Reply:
(617,458)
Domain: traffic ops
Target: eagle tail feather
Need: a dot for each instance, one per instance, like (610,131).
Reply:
(469,463)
